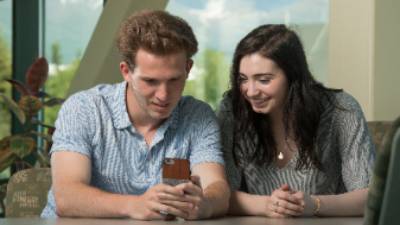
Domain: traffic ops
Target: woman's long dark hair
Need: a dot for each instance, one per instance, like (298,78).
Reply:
(304,101)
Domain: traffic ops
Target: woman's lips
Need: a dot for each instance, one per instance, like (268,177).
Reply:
(259,103)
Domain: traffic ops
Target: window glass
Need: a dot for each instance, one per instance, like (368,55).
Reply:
(5,69)
(220,24)
(69,25)
(5,63)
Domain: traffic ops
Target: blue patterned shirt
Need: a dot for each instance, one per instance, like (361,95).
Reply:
(95,123)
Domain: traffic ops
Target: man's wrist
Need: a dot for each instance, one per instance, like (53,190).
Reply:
(128,206)
(206,209)
(215,200)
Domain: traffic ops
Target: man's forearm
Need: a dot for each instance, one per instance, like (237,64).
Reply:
(217,197)
(81,200)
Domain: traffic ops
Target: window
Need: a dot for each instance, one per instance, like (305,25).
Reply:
(5,67)
(68,27)
(219,25)
(5,62)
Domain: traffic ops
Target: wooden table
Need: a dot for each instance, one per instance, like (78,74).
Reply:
(220,221)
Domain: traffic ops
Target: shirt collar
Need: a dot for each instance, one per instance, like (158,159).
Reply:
(119,111)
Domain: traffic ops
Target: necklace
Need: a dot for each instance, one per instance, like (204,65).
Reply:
(280,156)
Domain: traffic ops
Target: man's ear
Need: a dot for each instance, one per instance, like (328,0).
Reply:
(189,65)
(125,70)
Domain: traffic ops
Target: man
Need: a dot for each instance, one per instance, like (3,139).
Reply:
(110,141)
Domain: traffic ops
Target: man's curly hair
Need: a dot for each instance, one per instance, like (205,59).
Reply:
(157,32)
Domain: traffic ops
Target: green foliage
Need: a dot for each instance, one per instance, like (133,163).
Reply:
(5,59)
(56,57)
(5,73)
(22,147)
(21,150)
(211,77)
(13,107)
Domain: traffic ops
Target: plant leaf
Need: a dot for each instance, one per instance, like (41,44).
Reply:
(7,157)
(54,101)
(38,122)
(37,74)
(47,137)
(21,88)
(22,146)
(42,94)
(50,130)
(30,105)
(43,159)
(5,143)
(12,105)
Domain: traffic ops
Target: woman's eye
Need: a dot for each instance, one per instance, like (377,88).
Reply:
(265,81)
(241,79)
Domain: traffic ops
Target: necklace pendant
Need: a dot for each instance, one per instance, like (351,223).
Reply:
(280,156)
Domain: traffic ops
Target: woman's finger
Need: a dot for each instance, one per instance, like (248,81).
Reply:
(284,195)
(289,205)
(285,211)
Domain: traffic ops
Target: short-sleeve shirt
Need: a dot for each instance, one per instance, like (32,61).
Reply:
(95,123)
(343,143)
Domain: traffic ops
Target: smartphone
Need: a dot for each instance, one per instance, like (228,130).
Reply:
(175,171)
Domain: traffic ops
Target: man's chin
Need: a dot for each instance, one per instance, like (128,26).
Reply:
(160,115)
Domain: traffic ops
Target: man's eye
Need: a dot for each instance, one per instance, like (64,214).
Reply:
(150,81)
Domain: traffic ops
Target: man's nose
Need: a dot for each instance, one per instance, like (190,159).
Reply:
(162,92)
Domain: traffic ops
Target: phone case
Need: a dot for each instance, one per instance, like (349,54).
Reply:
(175,171)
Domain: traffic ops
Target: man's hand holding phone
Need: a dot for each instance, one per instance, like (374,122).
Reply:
(193,194)
(153,204)
(176,172)
(166,200)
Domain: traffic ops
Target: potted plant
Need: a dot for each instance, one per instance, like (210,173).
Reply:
(22,150)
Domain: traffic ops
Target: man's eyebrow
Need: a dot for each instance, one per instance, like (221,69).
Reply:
(151,77)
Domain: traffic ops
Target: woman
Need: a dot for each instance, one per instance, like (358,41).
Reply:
(292,146)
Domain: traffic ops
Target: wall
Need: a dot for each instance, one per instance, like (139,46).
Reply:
(363,42)
(100,62)
(351,50)
(387,60)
